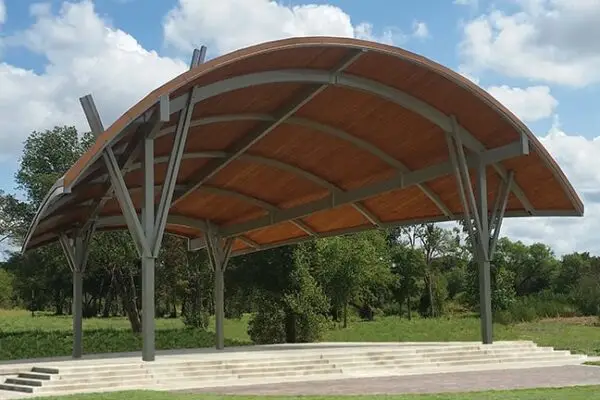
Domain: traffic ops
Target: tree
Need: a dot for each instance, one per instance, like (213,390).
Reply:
(435,242)
(46,157)
(15,216)
(290,305)
(350,267)
(408,266)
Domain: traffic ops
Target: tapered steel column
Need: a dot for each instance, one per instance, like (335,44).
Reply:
(483,260)
(148,257)
(76,251)
(218,252)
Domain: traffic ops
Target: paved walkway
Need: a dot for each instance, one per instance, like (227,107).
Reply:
(431,383)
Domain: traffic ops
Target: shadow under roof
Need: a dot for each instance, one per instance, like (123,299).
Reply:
(308,137)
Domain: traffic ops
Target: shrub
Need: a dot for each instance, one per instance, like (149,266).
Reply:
(6,289)
(268,324)
(196,319)
(531,308)
(587,295)
(394,308)
(38,343)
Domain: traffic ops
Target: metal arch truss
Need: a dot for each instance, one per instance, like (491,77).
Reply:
(483,227)
(206,172)
(337,77)
(147,230)
(76,248)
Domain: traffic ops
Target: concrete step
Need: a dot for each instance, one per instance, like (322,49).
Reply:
(291,373)
(35,375)
(61,386)
(17,388)
(23,382)
(45,370)
(188,372)
(468,357)
(391,364)
(268,370)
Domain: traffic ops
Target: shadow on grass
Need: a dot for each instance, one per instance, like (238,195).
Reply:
(21,345)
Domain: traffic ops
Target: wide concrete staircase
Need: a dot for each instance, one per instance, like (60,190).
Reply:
(283,365)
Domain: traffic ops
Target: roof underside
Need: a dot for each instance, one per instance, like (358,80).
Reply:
(310,137)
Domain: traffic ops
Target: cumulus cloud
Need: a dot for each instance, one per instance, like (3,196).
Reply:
(530,104)
(83,54)
(472,3)
(546,40)
(2,12)
(420,30)
(228,25)
(579,158)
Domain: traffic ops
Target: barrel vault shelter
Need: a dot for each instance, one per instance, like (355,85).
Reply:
(297,139)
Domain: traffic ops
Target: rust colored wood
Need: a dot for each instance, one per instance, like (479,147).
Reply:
(276,233)
(342,139)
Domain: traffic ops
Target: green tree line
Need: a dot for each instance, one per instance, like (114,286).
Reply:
(293,293)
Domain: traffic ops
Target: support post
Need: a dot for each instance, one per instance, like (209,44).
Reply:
(478,222)
(148,229)
(483,260)
(149,257)
(76,250)
(77,310)
(219,252)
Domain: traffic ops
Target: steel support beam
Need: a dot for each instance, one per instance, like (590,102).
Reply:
(478,220)
(355,195)
(219,252)
(175,158)
(205,173)
(485,278)
(76,250)
(148,258)
(399,97)
(329,130)
(495,223)
(146,230)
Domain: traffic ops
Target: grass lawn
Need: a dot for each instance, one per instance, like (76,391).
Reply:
(572,393)
(45,335)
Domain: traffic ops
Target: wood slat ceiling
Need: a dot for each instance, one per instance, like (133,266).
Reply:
(342,139)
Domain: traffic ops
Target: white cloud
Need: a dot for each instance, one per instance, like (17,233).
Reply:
(470,3)
(530,104)
(228,25)
(579,158)
(84,55)
(546,40)
(420,30)
(2,12)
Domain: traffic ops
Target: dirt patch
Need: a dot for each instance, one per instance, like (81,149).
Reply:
(589,321)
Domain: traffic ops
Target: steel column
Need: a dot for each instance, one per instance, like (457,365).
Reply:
(76,251)
(77,310)
(148,258)
(147,230)
(478,220)
(483,259)
(219,253)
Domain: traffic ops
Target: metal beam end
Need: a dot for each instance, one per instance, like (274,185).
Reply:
(524,144)
(164,108)
(198,56)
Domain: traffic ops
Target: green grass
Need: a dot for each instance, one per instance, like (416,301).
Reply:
(561,334)
(571,393)
(45,335)
(593,363)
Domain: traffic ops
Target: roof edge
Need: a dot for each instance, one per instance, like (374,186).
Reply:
(55,191)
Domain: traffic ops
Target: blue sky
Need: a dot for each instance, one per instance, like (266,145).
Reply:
(538,57)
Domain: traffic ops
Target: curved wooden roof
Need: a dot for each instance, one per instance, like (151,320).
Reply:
(312,137)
